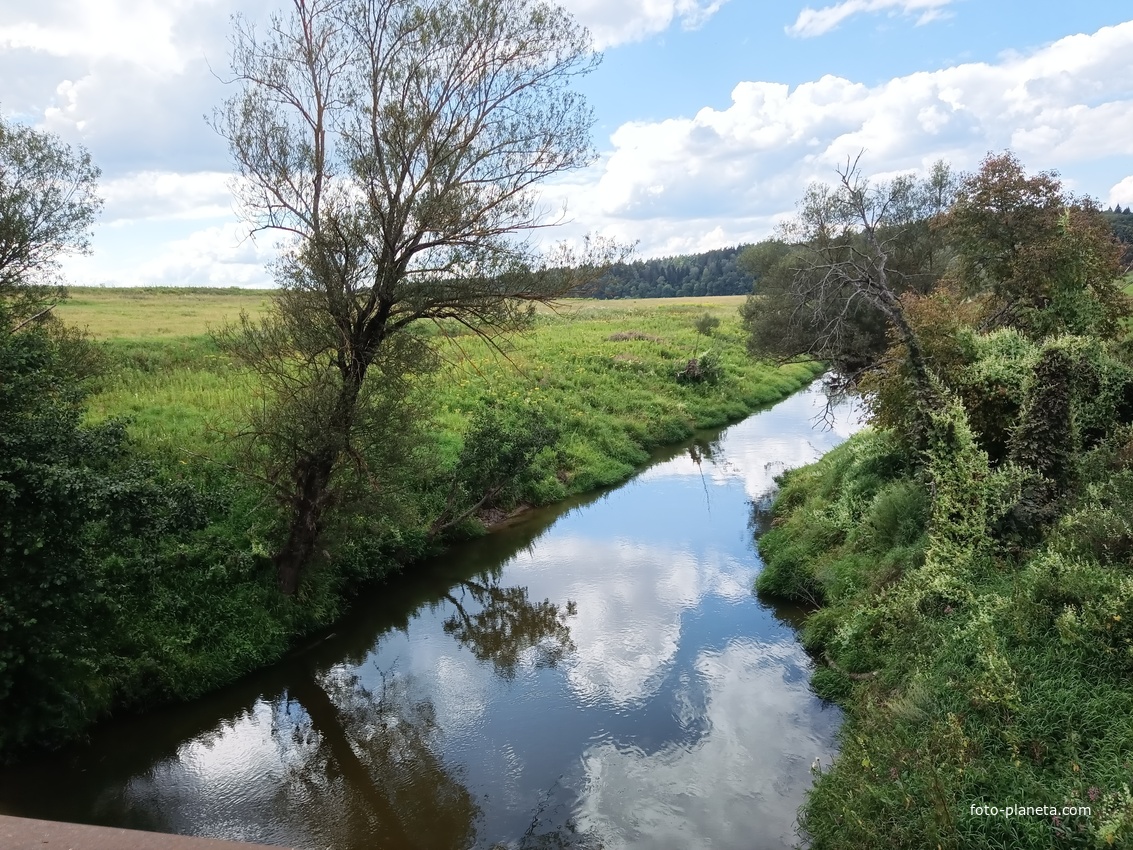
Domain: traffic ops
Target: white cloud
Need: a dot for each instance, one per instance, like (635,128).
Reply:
(612,24)
(725,176)
(140,32)
(166,195)
(1122,193)
(216,256)
(219,255)
(814,22)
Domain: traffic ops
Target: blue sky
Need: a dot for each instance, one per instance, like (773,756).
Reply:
(712,115)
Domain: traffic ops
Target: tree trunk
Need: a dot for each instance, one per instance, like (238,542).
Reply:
(312,476)
(305,526)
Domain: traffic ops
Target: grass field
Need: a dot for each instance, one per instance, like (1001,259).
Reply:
(161,313)
(156,313)
(603,371)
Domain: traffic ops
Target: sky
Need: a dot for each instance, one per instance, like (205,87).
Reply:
(711,116)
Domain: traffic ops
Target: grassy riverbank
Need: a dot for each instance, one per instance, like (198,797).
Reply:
(181,599)
(998,675)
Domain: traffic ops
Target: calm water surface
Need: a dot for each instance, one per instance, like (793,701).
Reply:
(598,675)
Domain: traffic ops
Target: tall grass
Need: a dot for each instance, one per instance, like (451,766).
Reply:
(602,372)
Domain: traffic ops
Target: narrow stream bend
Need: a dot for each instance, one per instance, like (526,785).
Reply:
(598,675)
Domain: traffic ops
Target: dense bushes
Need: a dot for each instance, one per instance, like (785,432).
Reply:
(78,511)
(977,607)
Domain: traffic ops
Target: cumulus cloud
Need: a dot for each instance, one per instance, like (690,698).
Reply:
(814,22)
(219,255)
(727,175)
(1122,193)
(163,195)
(131,80)
(612,24)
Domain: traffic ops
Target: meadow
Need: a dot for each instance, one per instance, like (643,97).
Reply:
(604,372)
(173,593)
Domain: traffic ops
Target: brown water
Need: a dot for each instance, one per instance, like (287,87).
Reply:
(598,675)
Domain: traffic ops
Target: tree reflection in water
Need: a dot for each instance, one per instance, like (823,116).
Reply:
(363,764)
(508,627)
(363,768)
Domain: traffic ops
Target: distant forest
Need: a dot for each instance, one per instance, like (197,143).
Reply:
(710,273)
(1121,220)
(719,272)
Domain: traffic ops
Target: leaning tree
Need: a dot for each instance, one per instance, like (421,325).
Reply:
(833,289)
(396,147)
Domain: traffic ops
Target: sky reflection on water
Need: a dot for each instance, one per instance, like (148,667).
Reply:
(596,676)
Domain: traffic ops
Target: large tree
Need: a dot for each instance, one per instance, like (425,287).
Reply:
(1045,259)
(397,147)
(48,203)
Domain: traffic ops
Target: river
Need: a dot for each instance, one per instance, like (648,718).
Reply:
(597,674)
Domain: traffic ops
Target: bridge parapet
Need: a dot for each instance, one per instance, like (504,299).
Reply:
(30,834)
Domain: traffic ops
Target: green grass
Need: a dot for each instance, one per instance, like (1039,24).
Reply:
(603,372)
(156,312)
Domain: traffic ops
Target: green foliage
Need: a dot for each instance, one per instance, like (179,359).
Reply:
(980,675)
(706,324)
(857,248)
(48,597)
(504,456)
(704,369)
(1121,223)
(710,273)
(47,205)
(1047,258)
(1044,439)
(993,385)
(80,514)
(977,598)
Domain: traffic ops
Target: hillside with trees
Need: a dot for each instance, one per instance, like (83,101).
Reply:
(1121,222)
(730,271)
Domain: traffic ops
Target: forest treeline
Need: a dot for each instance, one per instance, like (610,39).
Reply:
(1121,222)
(969,553)
(729,271)
(715,272)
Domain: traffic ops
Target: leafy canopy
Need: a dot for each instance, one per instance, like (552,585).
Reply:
(48,203)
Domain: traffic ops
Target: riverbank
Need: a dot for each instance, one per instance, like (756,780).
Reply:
(997,676)
(596,674)
(185,602)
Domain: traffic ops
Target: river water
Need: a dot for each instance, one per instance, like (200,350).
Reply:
(599,674)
